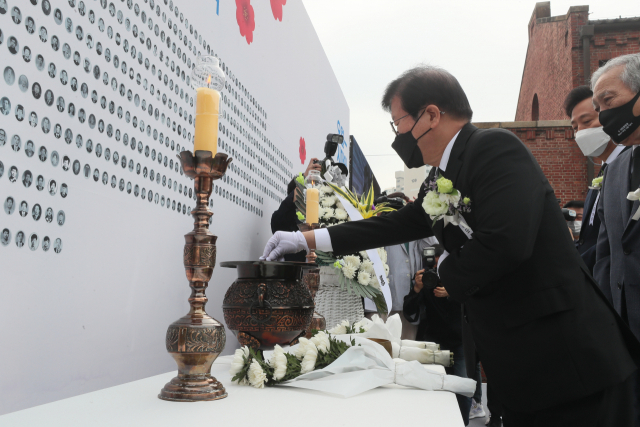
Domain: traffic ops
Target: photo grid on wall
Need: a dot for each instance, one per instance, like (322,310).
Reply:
(99,92)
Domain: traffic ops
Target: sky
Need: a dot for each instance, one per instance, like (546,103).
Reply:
(481,42)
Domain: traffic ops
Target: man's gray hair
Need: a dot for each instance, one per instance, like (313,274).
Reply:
(630,75)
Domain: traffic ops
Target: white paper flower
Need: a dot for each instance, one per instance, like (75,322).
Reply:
(349,271)
(363,278)
(238,363)
(279,363)
(328,201)
(257,377)
(321,341)
(341,214)
(309,362)
(433,205)
(339,329)
(352,260)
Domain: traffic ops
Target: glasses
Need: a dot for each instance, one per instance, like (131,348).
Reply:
(393,122)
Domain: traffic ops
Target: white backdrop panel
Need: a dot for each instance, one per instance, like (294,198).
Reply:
(92,311)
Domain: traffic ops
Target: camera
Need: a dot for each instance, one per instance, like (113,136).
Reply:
(569,214)
(430,277)
(331,146)
(317,162)
(393,202)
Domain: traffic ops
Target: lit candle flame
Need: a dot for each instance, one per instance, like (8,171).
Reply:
(209,80)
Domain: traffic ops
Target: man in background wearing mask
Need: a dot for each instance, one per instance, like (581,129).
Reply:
(596,144)
(576,225)
(616,90)
(534,311)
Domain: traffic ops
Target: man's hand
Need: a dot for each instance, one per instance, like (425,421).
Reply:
(418,279)
(440,292)
(312,166)
(282,243)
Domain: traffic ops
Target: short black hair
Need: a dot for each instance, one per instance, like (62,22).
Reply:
(576,96)
(291,186)
(425,85)
(574,204)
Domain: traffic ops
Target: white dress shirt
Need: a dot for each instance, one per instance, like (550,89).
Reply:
(323,239)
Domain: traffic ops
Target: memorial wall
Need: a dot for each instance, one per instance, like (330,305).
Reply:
(95,104)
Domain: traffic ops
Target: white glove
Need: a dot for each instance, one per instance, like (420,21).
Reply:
(283,243)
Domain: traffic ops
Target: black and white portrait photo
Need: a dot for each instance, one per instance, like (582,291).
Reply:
(5,237)
(79,141)
(68,136)
(107,154)
(28,149)
(60,104)
(46,243)
(57,245)
(48,215)
(27,178)
(53,187)
(5,106)
(96,175)
(16,15)
(64,77)
(89,146)
(13,174)
(26,54)
(19,112)
(48,96)
(36,91)
(12,44)
(24,208)
(20,239)
(3,137)
(105,178)
(39,62)
(46,125)
(121,185)
(76,167)
(65,163)
(129,187)
(68,25)
(33,242)
(23,83)
(3,7)
(57,131)
(87,170)
(36,212)
(136,190)
(55,158)
(42,153)
(1,169)
(43,34)
(33,119)
(55,43)
(9,76)
(46,7)
(60,218)
(64,190)
(98,150)
(9,205)
(114,181)
(40,183)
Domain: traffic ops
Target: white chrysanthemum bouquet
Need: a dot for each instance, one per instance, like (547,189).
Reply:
(357,274)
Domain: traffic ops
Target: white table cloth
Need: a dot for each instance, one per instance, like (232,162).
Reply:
(136,404)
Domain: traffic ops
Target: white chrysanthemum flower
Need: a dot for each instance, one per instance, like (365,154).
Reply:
(339,203)
(383,254)
(367,266)
(238,363)
(321,341)
(341,214)
(328,213)
(328,201)
(326,189)
(364,255)
(364,324)
(279,363)
(352,260)
(257,377)
(386,270)
(374,283)
(302,347)
(340,328)
(363,278)
(349,271)
(309,362)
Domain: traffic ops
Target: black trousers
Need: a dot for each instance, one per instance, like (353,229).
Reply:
(611,407)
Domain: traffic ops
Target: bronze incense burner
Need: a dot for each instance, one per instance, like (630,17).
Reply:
(268,304)
(196,340)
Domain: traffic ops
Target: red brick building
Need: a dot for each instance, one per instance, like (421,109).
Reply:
(562,54)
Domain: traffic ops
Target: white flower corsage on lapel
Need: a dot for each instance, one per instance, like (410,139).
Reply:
(443,202)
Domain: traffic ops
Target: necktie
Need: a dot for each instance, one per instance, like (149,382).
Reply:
(602,168)
(635,169)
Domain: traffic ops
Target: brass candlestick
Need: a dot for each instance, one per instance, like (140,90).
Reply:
(311,278)
(196,340)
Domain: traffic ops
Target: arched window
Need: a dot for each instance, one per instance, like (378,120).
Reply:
(535,110)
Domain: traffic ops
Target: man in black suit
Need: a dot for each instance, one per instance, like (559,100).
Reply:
(616,89)
(594,143)
(556,351)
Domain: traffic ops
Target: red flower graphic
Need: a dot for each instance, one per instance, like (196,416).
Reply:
(244,16)
(303,151)
(276,8)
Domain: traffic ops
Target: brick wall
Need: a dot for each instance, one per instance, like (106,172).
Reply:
(553,145)
(554,62)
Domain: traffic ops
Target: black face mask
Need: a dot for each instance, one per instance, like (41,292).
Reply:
(619,123)
(406,145)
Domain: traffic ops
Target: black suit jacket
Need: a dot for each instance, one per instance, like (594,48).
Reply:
(589,233)
(544,331)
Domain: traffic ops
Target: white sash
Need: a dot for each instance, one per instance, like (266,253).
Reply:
(378,266)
